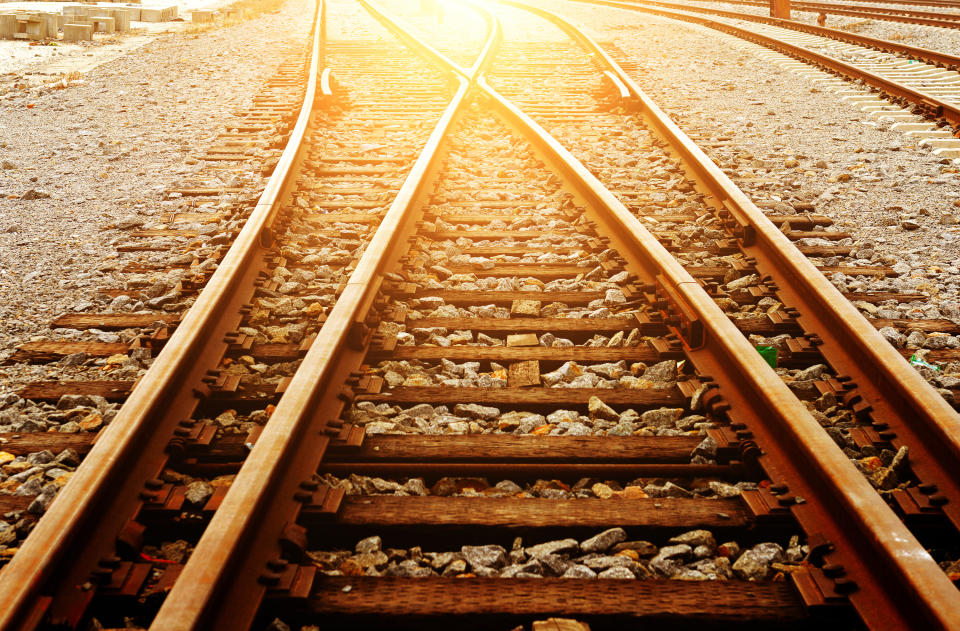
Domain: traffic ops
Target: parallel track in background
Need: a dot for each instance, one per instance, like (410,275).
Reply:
(905,16)
(908,84)
(471,218)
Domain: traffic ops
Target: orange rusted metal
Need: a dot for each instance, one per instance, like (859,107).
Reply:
(780,9)
(243,537)
(899,395)
(80,527)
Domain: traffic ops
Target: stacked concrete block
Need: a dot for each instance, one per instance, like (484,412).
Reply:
(8,25)
(52,25)
(103,24)
(121,18)
(201,17)
(164,14)
(151,15)
(77,32)
(31,27)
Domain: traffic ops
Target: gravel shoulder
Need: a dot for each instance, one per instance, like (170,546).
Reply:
(108,149)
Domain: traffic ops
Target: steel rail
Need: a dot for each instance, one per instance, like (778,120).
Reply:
(951,4)
(225,578)
(951,62)
(781,422)
(880,11)
(920,18)
(884,550)
(928,103)
(102,495)
(898,399)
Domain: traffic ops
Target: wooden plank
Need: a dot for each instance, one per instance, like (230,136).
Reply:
(927,326)
(44,352)
(485,218)
(535,325)
(503,354)
(205,192)
(23,443)
(352,204)
(801,222)
(493,203)
(112,321)
(365,159)
(878,297)
(325,171)
(763,326)
(52,390)
(369,218)
(513,250)
(163,232)
(516,235)
(825,250)
(456,296)
(14,502)
(192,217)
(942,356)
(667,512)
(390,597)
(858,270)
(520,448)
(796,235)
(270,352)
(542,271)
(549,397)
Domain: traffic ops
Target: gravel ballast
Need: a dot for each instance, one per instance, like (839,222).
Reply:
(79,160)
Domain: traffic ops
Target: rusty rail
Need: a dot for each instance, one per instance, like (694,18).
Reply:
(951,62)
(231,567)
(902,402)
(906,16)
(927,103)
(104,493)
(899,399)
(883,552)
(218,590)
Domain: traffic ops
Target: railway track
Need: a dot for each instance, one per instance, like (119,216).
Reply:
(949,4)
(924,88)
(941,19)
(928,56)
(442,346)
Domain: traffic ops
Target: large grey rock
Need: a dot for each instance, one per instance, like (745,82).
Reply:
(642,548)
(368,545)
(754,564)
(479,412)
(599,409)
(617,573)
(600,563)
(661,417)
(579,571)
(198,492)
(668,561)
(561,546)
(489,556)
(664,372)
(695,538)
(604,541)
